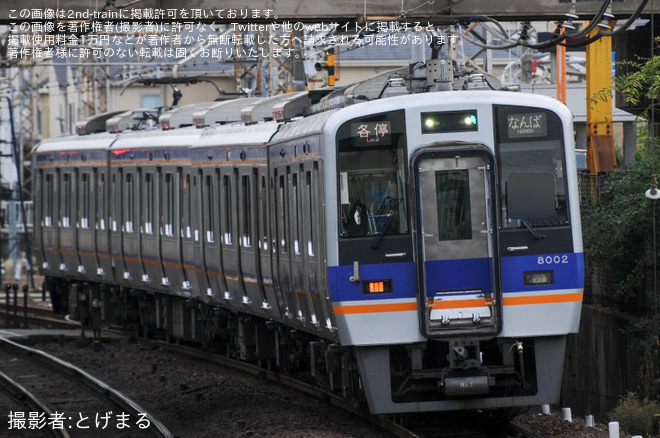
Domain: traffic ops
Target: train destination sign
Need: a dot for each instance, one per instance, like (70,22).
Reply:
(527,125)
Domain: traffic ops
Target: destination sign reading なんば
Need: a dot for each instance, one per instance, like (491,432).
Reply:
(527,125)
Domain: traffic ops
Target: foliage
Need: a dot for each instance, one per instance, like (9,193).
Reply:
(617,229)
(618,241)
(642,84)
(634,415)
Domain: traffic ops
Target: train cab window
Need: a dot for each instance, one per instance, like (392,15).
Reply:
(372,175)
(66,200)
(85,198)
(530,148)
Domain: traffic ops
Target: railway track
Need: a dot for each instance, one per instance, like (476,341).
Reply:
(474,426)
(17,316)
(58,399)
(421,426)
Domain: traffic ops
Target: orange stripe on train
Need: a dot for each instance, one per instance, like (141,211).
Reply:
(457,304)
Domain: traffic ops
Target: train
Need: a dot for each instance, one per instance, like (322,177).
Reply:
(411,248)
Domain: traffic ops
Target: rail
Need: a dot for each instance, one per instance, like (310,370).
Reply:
(89,381)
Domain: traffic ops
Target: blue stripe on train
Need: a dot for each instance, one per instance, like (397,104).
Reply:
(343,289)
(465,274)
(568,271)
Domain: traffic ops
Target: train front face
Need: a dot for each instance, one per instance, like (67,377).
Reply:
(458,275)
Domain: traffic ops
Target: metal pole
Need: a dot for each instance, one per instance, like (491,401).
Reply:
(25,306)
(15,289)
(7,289)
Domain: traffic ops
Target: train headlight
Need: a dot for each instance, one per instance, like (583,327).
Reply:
(470,120)
(429,123)
(536,278)
(449,121)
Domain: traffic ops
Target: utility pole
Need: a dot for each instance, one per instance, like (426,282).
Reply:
(600,141)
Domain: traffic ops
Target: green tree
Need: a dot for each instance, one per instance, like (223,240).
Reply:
(619,230)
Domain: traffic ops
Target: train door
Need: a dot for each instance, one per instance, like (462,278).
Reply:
(212,266)
(130,244)
(264,245)
(38,224)
(102,226)
(230,238)
(170,247)
(312,268)
(50,218)
(151,227)
(283,247)
(193,261)
(84,226)
(297,251)
(116,225)
(68,222)
(456,241)
(250,266)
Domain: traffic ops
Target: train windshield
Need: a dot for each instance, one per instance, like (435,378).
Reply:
(371,166)
(530,150)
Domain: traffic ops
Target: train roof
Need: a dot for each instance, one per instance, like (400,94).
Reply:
(227,111)
(302,127)
(237,135)
(263,109)
(181,116)
(157,139)
(90,142)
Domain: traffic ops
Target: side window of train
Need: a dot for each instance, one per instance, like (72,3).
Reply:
(372,194)
(115,205)
(312,205)
(85,208)
(101,193)
(180,189)
(295,206)
(282,213)
(49,191)
(210,211)
(168,201)
(187,208)
(149,203)
(246,231)
(227,210)
(66,200)
(129,190)
(263,200)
